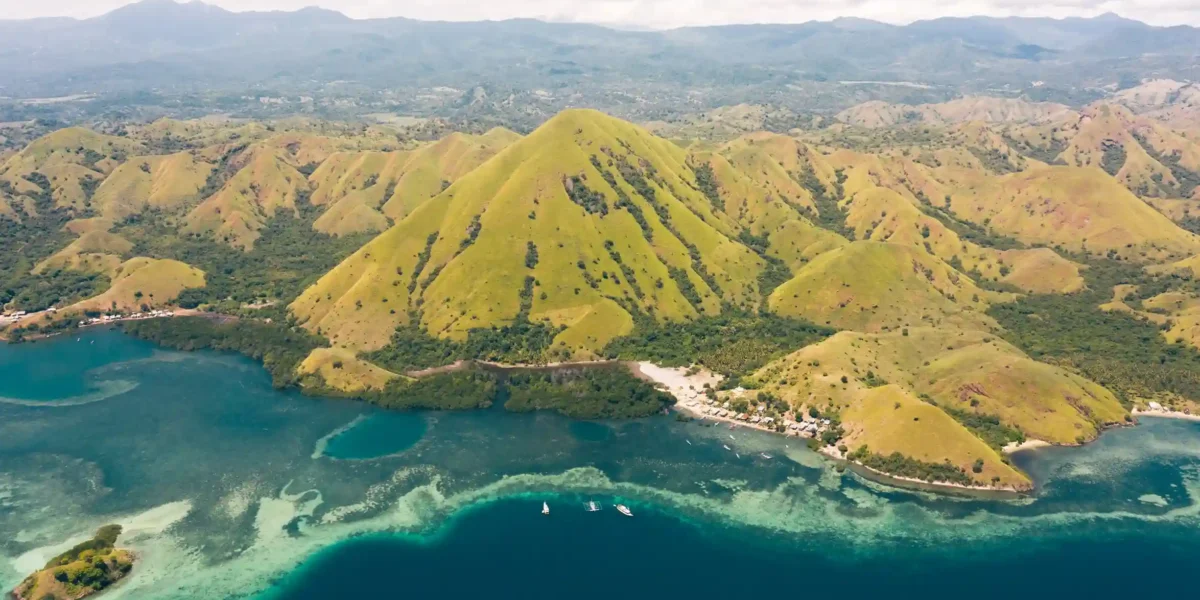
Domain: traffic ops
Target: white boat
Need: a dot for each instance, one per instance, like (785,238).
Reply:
(592,506)
(765,455)
(737,455)
(728,448)
(689,442)
(545,508)
(621,508)
(732,438)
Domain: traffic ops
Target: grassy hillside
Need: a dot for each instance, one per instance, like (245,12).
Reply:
(890,422)
(959,370)
(263,183)
(142,282)
(877,286)
(959,384)
(69,163)
(1079,209)
(979,108)
(339,369)
(579,226)
(162,182)
(368,191)
(899,215)
(93,252)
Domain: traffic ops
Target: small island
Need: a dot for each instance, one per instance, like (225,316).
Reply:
(85,569)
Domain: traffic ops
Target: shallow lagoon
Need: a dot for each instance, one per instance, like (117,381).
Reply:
(229,488)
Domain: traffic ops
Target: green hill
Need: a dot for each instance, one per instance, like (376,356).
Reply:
(263,183)
(68,163)
(877,286)
(160,182)
(367,191)
(959,384)
(582,225)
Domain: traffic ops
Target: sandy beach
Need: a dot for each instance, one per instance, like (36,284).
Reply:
(1165,414)
(690,397)
(1026,445)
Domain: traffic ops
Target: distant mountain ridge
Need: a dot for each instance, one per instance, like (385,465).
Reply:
(163,44)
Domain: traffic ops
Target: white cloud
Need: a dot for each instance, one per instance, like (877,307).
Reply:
(672,13)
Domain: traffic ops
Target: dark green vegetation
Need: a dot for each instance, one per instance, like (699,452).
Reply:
(903,466)
(279,347)
(1048,154)
(1120,351)
(967,230)
(734,344)
(105,538)
(993,160)
(1113,158)
(85,569)
(523,342)
(462,390)
(707,183)
(26,243)
(590,393)
(585,393)
(1187,180)
(286,259)
(776,272)
(986,427)
(829,214)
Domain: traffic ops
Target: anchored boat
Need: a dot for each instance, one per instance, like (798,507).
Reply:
(545,508)
(621,508)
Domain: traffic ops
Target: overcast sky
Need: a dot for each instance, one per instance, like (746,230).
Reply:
(669,13)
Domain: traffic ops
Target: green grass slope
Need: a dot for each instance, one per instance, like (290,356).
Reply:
(366,191)
(959,378)
(69,163)
(583,224)
(262,183)
(162,182)
(879,286)
(1080,209)
(93,252)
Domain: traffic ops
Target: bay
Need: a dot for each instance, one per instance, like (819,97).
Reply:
(229,488)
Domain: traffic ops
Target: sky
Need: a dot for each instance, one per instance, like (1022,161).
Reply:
(662,14)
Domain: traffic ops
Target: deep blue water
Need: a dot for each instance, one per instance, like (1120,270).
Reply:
(228,488)
(508,550)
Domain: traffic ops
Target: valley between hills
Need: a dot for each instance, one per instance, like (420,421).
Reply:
(937,282)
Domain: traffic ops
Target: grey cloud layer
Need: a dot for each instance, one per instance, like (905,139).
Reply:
(673,13)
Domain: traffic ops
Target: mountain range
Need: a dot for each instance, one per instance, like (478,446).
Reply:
(165,46)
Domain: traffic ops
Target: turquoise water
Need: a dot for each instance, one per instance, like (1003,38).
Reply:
(376,436)
(228,488)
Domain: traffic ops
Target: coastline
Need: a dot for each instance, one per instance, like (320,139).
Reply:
(1164,414)
(688,392)
(688,385)
(942,487)
(1014,447)
(88,323)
